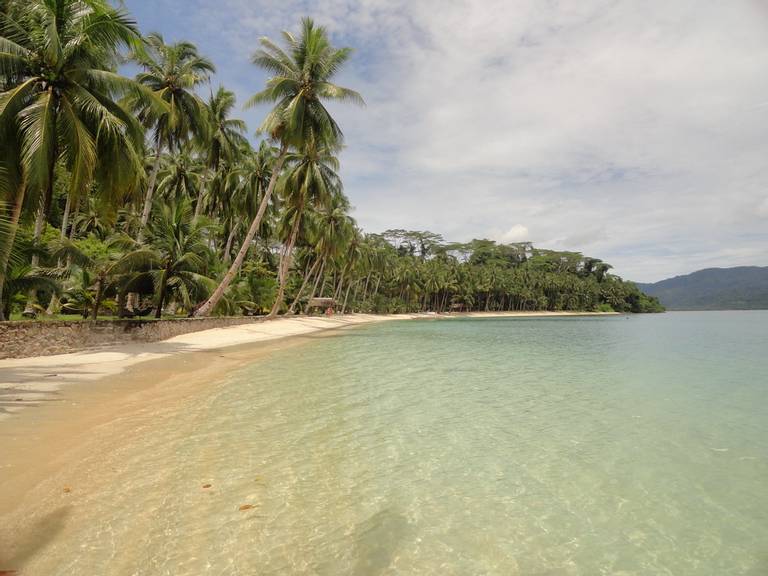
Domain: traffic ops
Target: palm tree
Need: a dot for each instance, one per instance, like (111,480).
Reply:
(225,139)
(335,228)
(310,180)
(56,62)
(180,254)
(301,82)
(171,71)
(179,177)
(241,191)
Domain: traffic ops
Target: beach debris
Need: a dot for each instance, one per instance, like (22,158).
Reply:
(8,572)
(67,489)
(246,507)
(206,485)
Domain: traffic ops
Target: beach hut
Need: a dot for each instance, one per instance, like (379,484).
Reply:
(325,304)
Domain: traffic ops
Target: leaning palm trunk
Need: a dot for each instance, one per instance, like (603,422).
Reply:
(228,246)
(346,297)
(285,265)
(307,278)
(211,303)
(148,198)
(5,248)
(315,285)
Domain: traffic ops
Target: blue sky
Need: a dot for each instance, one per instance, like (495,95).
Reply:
(636,132)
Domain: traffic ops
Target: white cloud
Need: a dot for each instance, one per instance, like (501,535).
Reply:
(518,233)
(634,130)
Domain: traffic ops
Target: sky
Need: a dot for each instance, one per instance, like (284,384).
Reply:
(632,131)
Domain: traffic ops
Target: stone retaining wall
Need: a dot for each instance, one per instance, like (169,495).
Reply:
(22,339)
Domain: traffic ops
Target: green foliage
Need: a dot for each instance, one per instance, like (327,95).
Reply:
(72,134)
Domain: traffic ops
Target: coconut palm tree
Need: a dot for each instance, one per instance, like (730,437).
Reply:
(225,140)
(335,228)
(171,71)
(238,198)
(302,80)
(181,253)
(311,179)
(57,60)
(180,176)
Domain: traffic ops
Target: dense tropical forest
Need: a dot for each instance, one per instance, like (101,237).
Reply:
(136,196)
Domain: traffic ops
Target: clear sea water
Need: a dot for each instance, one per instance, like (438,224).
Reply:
(570,446)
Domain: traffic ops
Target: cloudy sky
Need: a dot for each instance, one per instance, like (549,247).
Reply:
(634,131)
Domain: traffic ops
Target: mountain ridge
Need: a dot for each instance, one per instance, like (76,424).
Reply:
(735,288)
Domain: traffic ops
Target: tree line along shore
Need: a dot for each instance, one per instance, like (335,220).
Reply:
(143,196)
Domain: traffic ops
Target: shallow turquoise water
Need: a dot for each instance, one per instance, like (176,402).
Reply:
(572,446)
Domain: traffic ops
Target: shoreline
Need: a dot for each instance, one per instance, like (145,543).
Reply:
(26,382)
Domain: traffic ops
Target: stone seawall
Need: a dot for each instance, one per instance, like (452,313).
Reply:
(30,338)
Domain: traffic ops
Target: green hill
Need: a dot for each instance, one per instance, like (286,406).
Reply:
(740,288)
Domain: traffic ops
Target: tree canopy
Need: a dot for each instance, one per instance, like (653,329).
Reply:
(134,196)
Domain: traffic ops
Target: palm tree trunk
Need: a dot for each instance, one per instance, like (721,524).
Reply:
(97,299)
(120,303)
(161,293)
(354,296)
(337,293)
(200,194)
(307,277)
(314,287)
(65,217)
(73,217)
(29,308)
(150,193)
(210,304)
(53,305)
(367,281)
(346,295)
(228,246)
(285,264)
(5,248)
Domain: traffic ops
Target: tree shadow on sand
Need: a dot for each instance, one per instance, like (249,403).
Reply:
(33,540)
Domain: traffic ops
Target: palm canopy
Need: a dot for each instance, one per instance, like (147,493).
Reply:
(303,74)
(179,177)
(57,60)
(172,71)
(226,138)
(310,179)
